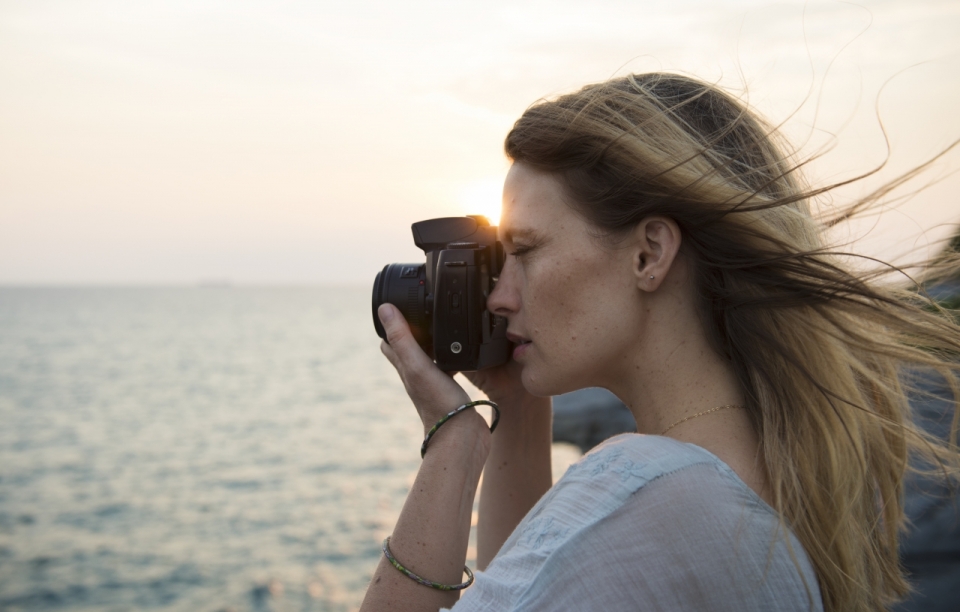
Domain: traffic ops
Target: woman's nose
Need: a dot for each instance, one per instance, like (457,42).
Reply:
(504,300)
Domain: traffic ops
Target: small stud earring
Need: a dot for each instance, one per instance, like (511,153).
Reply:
(651,277)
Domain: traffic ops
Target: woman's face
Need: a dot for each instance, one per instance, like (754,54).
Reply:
(572,304)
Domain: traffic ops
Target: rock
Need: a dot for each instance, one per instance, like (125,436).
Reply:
(588,417)
(930,548)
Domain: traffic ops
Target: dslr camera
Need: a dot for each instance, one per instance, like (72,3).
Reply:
(445,300)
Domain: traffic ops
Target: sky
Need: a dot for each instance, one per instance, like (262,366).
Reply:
(186,142)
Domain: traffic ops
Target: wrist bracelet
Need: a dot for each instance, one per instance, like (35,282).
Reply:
(453,413)
(427,583)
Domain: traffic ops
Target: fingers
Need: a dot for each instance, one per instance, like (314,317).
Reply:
(433,392)
(401,347)
(390,354)
(502,384)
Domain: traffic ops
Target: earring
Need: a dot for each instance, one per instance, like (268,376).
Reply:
(651,277)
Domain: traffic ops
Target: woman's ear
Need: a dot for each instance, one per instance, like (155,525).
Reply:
(655,250)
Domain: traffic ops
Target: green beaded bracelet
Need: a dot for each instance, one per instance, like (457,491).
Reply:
(427,583)
(455,412)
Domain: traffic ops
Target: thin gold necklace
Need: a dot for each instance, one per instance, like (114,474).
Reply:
(700,414)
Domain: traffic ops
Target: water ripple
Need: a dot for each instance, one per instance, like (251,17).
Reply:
(195,449)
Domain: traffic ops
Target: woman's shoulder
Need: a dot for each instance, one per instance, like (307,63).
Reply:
(617,471)
(642,515)
(693,538)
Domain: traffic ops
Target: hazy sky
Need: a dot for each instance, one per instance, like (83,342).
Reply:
(292,142)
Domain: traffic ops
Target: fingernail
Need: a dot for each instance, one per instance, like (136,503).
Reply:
(386,313)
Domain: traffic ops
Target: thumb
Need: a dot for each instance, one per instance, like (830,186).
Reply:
(400,338)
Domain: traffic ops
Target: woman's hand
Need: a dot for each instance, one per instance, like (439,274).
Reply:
(501,383)
(433,392)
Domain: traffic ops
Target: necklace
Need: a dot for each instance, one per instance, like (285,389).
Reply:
(700,414)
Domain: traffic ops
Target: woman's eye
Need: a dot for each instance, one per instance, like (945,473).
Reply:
(519,251)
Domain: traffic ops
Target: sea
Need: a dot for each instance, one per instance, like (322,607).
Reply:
(209,448)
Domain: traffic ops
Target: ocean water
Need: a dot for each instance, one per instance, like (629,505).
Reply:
(196,449)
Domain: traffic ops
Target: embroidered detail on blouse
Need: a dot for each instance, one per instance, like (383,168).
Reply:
(597,462)
(542,531)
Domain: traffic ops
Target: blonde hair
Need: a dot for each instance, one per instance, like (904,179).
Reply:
(823,355)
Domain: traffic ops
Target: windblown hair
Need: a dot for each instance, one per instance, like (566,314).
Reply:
(823,354)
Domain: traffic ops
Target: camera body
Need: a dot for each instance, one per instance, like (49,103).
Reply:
(445,300)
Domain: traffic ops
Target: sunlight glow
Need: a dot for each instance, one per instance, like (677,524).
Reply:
(482,197)
(120,163)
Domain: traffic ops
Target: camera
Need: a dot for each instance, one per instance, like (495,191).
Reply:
(445,300)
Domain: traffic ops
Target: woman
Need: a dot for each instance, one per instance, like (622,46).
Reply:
(660,245)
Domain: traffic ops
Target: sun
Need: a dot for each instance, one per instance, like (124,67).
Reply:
(482,197)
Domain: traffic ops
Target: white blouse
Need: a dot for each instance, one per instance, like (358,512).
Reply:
(648,523)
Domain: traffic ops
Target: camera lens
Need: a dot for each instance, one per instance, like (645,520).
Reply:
(404,286)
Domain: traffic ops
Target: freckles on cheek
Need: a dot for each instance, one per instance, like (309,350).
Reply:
(556,320)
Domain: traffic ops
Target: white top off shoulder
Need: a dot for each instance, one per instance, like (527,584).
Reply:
(648,523)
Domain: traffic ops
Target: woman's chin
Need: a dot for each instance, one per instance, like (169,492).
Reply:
(539,386)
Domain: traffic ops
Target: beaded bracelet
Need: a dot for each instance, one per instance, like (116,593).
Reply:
(427,583)
(453,413)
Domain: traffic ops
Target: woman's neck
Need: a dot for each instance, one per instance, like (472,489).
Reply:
(676,374)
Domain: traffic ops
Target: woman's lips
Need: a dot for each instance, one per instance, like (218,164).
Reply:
(522,344)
